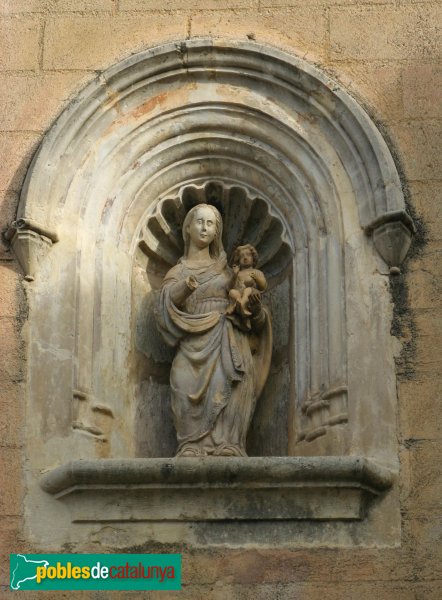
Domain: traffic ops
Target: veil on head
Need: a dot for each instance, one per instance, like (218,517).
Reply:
(216,248)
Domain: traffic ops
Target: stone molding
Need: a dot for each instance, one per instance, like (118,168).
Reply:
(185,114)
(30,242)
(252,121)
(201,489)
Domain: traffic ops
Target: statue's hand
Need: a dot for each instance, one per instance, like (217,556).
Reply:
(191,283)
(182,289)
(255,302)
(235,269)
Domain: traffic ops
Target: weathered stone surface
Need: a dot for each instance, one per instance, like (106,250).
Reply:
(421,414)
(400,29)
(96,42)
(383,32)
(194,5)
(421,91)
(9,280)
(428,342)
(422,475)
(55,6)
(326,3)
(218,488)
(12,494)
(17,150)
(94,173)
(82,5)
(23,6)
(11,414)
(418,143)
(425,287)
(19,43)
(11,542)
(11,364)
(377,85)
(32,102)
(423,534)
(426,197)
(303,28)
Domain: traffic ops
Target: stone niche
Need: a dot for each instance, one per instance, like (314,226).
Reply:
(299,170)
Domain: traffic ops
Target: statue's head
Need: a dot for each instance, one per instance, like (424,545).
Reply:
(245,256)
(216,245)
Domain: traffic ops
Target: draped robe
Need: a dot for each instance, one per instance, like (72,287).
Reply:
(219,368)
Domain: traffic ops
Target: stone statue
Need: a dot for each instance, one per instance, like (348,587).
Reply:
(222,360)
(246,278)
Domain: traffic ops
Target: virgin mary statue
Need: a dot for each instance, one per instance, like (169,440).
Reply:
(221,363)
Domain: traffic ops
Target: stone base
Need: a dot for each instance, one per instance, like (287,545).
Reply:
(210,489)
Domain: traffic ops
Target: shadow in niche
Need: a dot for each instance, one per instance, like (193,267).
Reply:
(154,429)
(268,433)
(246,219)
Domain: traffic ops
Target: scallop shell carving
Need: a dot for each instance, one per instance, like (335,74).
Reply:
(246,220)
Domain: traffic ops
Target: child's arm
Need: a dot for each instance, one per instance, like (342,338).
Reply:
(261,282)
(233,280)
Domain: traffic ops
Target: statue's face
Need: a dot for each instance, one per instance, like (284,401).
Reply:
(245,258)
(202,229)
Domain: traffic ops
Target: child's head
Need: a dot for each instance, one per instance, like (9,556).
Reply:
(245,256)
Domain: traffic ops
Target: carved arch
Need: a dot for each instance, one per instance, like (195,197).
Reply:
(186,114)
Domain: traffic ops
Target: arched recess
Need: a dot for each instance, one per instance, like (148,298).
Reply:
(241,116)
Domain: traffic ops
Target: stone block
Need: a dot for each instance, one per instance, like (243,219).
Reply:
(285,567)
(429,259)
(76,42)
(428,323)
(193,5)
(9,280)
(12,487)
(11,414)
(429,590)
(420,408)
(10,356)
(19,43)
(342,590)
(426,197)
(302,28)
(428,341)
(422,536)
(325,3)
(424,289)
(32,102)
(384,32)
(422,84)
(82,5)
(376,85)
(10,543)
(421,476)
(8,7)
(16,150)
(418,143)
(55,6)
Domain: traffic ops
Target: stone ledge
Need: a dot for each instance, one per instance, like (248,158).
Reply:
(207,489)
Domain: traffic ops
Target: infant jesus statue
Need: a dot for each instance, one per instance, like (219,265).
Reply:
(246,278)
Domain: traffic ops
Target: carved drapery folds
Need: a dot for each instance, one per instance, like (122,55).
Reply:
(278,144)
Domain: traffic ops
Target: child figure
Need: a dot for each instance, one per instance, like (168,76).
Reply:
(246,278)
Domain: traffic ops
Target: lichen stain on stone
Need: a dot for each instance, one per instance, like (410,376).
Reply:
(153,105)
(106,209)
(150,105)
(403,325)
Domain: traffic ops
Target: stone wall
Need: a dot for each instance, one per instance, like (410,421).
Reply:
(385,53)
